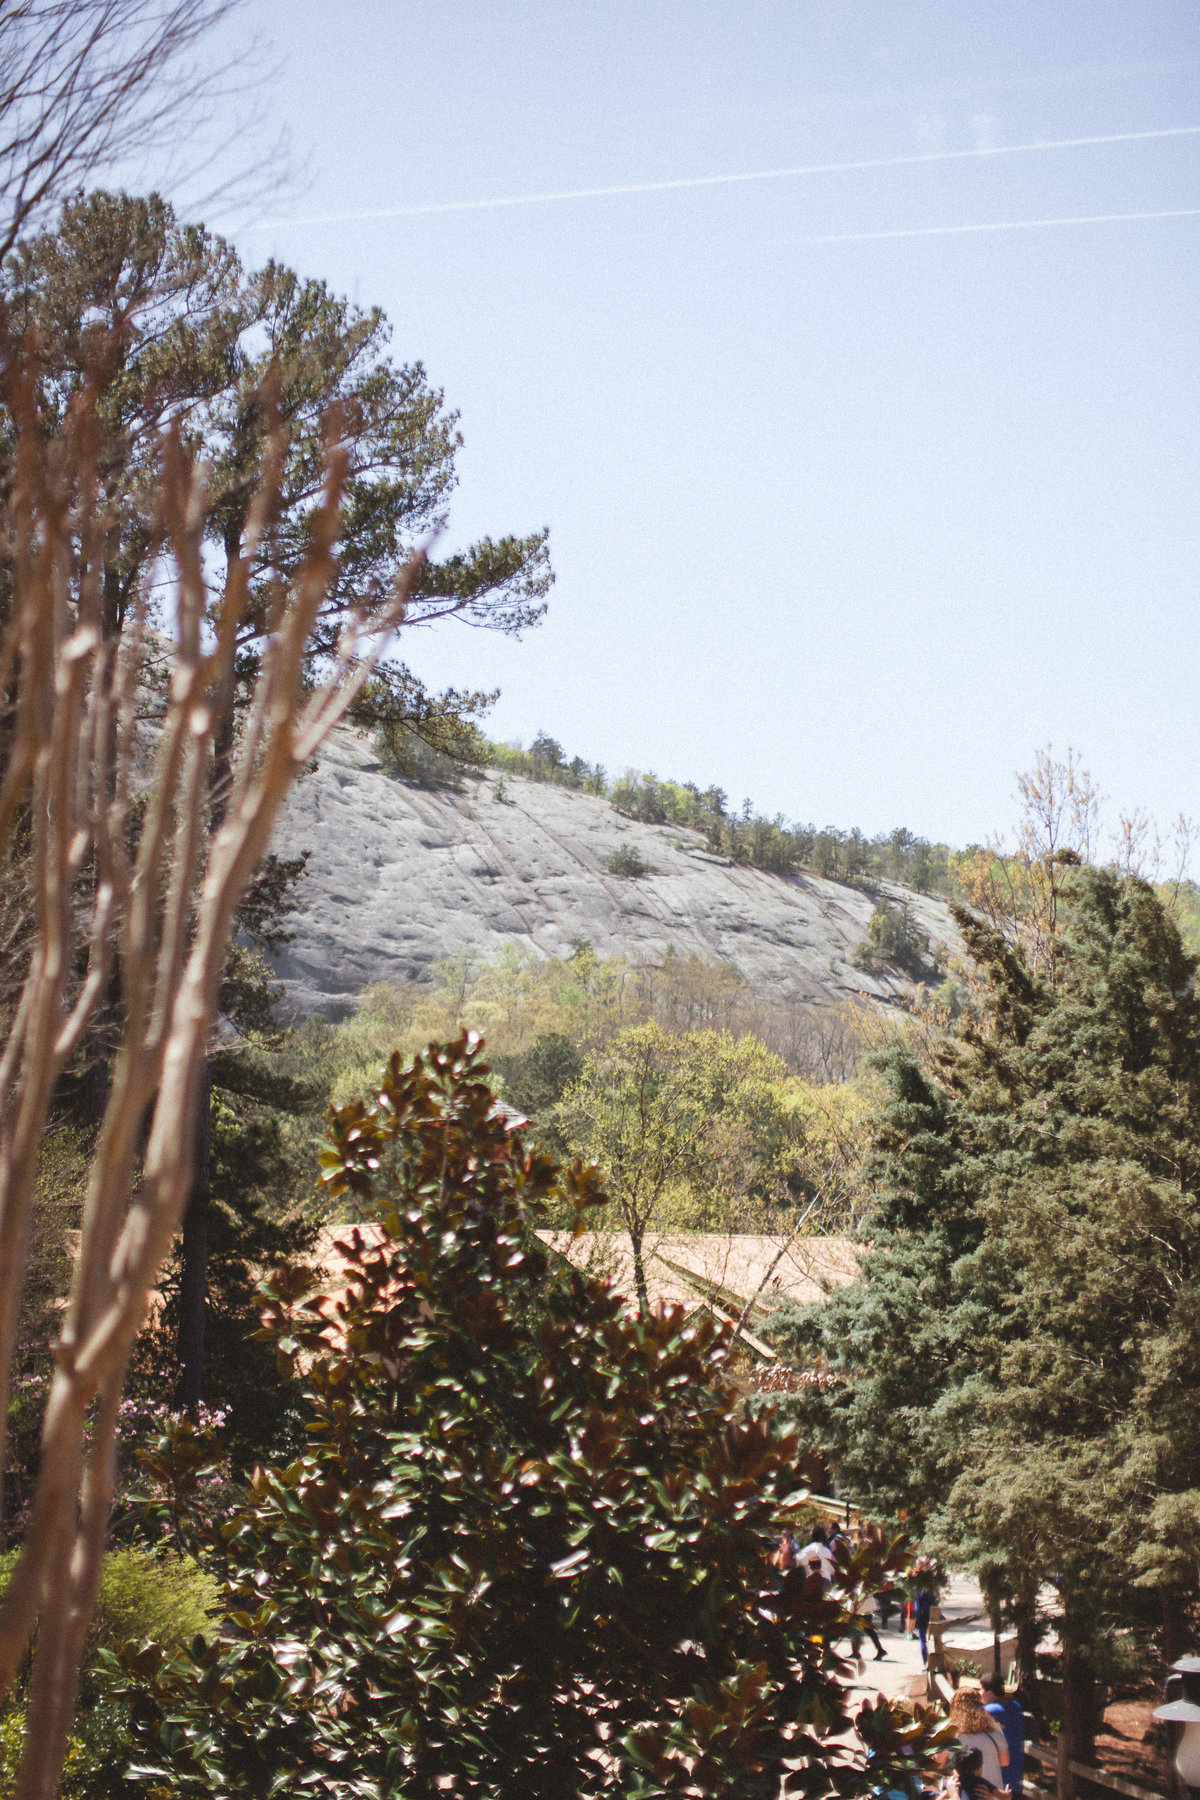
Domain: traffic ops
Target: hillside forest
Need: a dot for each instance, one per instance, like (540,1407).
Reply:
(743,836)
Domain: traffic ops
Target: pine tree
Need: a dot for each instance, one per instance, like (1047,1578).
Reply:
(160,322)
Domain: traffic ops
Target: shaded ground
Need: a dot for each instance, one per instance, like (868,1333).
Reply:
(1121,1748)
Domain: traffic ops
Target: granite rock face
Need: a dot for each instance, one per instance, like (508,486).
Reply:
(401,876)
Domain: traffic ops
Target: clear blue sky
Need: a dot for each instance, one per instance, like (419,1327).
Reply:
(847,527)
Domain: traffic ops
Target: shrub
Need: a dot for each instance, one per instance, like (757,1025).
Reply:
(143,1594)
(97,1754)
(894,939)
(627,862)
(526,1553)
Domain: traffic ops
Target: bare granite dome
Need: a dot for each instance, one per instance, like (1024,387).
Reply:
(401,876)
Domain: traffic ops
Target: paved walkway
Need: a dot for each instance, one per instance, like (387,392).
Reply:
(961,1600)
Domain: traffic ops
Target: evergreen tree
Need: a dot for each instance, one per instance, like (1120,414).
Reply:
(1014,1364)
(525,1551)
(161,323)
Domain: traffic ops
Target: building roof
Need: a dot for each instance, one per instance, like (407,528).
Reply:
(718,1270)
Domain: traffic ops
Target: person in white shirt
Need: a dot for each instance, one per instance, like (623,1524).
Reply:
(819,1550)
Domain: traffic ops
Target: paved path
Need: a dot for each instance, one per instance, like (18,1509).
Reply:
(961,1600)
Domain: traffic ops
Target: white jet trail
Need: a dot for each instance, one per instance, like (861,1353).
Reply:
(918,231)
(701,181)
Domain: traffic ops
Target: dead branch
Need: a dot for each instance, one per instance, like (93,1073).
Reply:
(88,83)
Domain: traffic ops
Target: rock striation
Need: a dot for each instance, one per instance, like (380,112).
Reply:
(401,876)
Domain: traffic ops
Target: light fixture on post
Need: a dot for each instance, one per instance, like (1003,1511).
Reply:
(1183,1709)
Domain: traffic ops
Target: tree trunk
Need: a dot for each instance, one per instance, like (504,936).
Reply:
(639,1273)
(1076,1736)
(193,1280)
(1024,1610)
(997,1668)
(1174,1625)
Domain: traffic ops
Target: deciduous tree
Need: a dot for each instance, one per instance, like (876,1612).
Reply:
(124,882)
(696,1117)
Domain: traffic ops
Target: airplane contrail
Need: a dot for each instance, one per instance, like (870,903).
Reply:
(917,231)
(429,208)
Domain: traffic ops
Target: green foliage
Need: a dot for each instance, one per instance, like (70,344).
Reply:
(516,997)
(536,1081)
(57,1208)
(430,740)
(144,1594)
(689,1128)
(745,837)
(897,940)
(202,333)
(545,761)
(914,1341)
(261,1212)
(162,325)
(626,862)
(1182,898)
(97,1754)
(271,899)
(12,1737)
(1017,1363)
(525,1552)
(165,319)
(163,1596)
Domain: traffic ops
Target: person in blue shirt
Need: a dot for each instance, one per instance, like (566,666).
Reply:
(1010,1716)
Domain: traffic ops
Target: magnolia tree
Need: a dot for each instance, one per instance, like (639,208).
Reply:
(526,1550)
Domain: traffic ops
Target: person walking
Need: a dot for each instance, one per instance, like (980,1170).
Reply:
(975,1729)
(1009,1714)
(863,1625)
(887,1602)
(922,1607)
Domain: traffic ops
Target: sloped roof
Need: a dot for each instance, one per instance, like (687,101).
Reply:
(714,1271)
(721,1270)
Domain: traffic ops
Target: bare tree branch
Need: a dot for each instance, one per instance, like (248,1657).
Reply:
(88,83)
(159,897)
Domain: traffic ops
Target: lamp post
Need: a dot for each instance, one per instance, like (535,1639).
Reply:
(1183,1709)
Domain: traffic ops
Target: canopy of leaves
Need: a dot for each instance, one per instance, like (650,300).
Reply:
(526,1551)
(160,319)
(698,1112)
(516,998)
(1017,1361)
